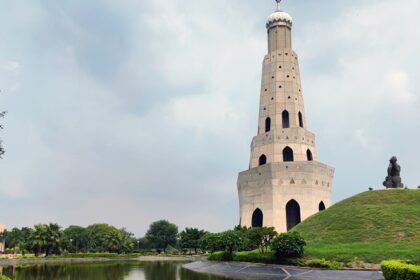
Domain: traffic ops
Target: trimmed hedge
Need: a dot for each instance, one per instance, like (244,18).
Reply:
(255,257)
(398,270)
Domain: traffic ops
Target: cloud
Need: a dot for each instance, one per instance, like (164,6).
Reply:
(134,111)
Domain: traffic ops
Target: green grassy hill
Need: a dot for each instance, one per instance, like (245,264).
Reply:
(371,226)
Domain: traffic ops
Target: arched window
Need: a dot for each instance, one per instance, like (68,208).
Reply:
(292,214)
(257,218)
(267,124)
(262,160)
(285,119)
(309,155)
(288,154)
(300,119)
(321,206)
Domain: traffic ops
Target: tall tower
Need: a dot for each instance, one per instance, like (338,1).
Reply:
(285,182)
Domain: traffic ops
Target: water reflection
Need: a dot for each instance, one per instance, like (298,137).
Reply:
(104,271)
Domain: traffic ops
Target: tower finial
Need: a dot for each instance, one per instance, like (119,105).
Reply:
(278,5)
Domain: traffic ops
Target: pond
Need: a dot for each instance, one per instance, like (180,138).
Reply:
(104,271)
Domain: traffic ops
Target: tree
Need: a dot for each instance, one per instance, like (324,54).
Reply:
(38,239)
(98,235)
(46,239)
(54,236)
(161,234)
(17,239)
(231,241)
(260,237)
(144,244)
(75,239)
(190,239)
(211,242)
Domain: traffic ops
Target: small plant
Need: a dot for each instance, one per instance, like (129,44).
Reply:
(288,245)
(323,263)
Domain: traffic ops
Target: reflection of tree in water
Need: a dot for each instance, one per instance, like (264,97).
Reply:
(104,271)
(160,270)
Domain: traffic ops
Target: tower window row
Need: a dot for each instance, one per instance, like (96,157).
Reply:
(285,121)
(288,156)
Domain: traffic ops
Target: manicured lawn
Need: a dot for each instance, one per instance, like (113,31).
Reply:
(372,226)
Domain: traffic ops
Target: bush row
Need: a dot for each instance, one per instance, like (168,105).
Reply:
(270,258)
(399,270)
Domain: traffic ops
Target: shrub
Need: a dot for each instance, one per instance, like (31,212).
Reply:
(322,263)
(288,245)
(260,238)
(211,242)
(398,270)
(2,277)
(221,256)
(231,241)
(254,256)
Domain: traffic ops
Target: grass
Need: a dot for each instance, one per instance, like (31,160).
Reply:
(372,226)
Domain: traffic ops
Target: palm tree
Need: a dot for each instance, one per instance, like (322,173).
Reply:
(53,239)
(113,241)
(39,239)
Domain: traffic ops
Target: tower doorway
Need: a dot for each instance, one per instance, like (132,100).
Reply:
(292,214)
(321,206)
(257,218)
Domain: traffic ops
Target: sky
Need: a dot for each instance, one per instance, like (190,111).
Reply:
(127,112)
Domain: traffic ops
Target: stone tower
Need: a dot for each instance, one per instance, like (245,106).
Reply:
(285,182)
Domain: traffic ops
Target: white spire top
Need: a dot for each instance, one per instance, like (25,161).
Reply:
(279,17)
(278,6)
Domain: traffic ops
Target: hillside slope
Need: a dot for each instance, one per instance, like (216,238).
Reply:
(371,226)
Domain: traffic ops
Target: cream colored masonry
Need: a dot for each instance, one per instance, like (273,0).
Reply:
(271,184)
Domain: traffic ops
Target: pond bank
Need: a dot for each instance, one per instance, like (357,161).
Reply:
(250,271)
(8,262)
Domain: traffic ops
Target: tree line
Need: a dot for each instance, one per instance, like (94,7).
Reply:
(162,236)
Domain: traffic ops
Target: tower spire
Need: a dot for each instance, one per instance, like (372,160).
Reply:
(278,5)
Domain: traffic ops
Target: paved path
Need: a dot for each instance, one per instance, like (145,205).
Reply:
(248,271)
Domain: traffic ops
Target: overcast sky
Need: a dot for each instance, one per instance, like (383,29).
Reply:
(131,111)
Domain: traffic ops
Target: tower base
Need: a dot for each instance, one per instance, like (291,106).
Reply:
(283,194)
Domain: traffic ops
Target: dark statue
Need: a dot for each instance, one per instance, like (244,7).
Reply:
(393,180)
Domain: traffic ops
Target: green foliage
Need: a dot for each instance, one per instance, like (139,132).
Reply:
(231,241)
(372,226)
(211,242)
(255,256)
(260,238)
(398,270)
(143,244)
(161,234)
(221,256)
(75,239)
(45,239)
(288,245)
(190,238)
(17,240)
(322,263)
(2,277)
